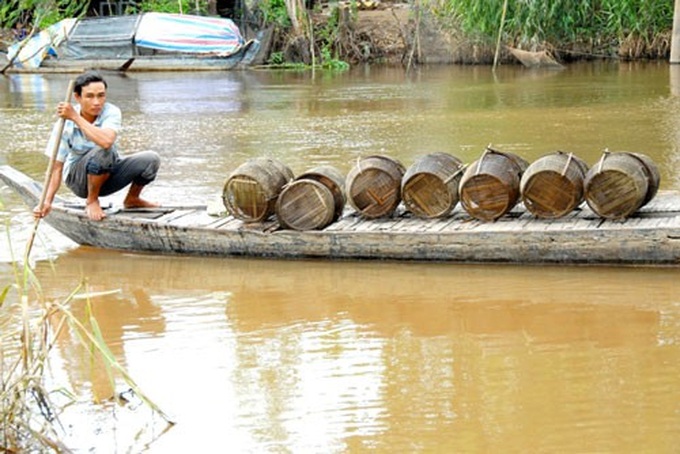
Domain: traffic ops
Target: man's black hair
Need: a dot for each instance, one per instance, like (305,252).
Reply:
(86,79)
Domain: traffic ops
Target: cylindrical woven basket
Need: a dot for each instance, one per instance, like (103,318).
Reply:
(251,190)
(620,183)
(429,188)
(314,200)
(489,187)
(333,179)
(552,186)
(373,186)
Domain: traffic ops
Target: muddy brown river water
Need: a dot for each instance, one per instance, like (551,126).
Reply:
(253,355)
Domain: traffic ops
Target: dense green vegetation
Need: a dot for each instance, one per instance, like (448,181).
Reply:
(43,13)
(38,13)
(633,28)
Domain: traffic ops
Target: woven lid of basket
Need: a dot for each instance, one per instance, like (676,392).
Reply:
(486,197)
(251,190)
(246,199)
(373,186)
(427,196)
(552,186)
(549,194)
(305,205)
(617,185)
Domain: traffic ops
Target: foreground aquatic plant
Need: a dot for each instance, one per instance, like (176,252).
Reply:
(29,416)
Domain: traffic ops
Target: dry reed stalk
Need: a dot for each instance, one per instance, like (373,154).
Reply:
(28,417)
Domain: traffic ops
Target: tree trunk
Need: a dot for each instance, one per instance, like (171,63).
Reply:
(212,7)
(675,40)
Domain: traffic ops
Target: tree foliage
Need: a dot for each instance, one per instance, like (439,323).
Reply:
(43,13)
(39,13)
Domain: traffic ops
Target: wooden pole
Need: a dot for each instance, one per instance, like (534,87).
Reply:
(675,39)
(500,34)
(675,84)
(48,172)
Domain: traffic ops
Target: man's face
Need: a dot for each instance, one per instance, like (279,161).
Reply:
(92,100)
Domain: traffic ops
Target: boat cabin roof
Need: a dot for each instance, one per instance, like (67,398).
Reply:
(112,37)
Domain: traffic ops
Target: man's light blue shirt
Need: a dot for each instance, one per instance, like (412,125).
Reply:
(74,145)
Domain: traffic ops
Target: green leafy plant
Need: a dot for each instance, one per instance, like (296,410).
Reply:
(167,6)
(9,13)
(42,13)
(276,58)
(328,62)
(273,12)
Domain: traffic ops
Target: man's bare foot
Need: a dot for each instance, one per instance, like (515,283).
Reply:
(136,202)
(94,211)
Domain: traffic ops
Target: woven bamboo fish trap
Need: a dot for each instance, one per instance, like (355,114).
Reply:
(314,200)
(373,186)
(429,188)
(620,184)
(489,187)
(552,186)
(252,189)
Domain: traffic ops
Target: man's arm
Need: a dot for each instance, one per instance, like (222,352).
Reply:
(52,188)
(103,137)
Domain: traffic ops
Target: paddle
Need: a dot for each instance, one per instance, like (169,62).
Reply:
(48,172)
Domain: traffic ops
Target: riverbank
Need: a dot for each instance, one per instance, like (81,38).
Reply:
(397,33)
(400,33)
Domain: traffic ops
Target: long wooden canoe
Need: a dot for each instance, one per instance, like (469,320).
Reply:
(651,236)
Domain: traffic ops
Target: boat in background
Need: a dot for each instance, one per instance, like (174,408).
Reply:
(143,42)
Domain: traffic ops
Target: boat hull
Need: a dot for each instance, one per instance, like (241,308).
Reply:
(241,59)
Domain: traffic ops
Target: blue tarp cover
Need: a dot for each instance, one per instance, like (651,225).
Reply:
(193,34)
(125,36)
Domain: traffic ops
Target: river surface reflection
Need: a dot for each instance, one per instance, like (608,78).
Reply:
(256,355)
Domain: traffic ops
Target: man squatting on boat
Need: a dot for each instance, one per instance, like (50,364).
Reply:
(88,157)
